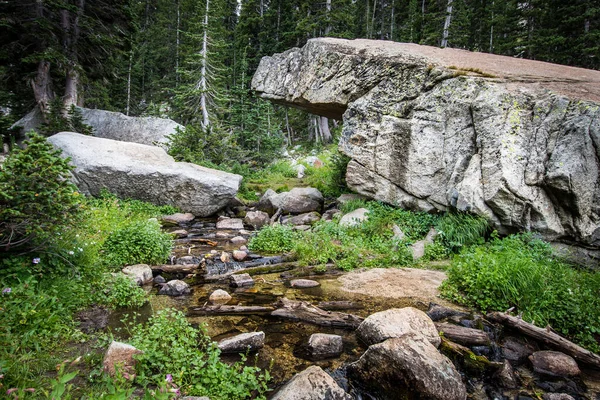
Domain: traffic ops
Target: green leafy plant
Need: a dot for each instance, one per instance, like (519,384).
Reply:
(461,229)
(520,271)
(274,239)
(171,345)
(122,292)
(141,242)
(36,196)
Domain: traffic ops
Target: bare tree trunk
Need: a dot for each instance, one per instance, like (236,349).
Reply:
(492,29)
(202,83)
(176,45)
(373,17)
(287,127)
(447,24)
(70,39)
(328,10)
(278,22)
(367,18)
(129,81)
(325,132)
(41,85)
(392,21)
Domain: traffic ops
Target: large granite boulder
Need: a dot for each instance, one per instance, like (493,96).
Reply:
(431,129)
(399,367)
(137,171)
(311,384)
(114,125)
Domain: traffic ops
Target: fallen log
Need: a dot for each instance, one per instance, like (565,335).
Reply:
(229,310)
(306,312)
(338,305)
(175,269)
(462,335)
(547,337)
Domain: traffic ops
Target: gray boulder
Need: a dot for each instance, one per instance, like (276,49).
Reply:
(427,130)
(230,223)
(140,273)
(175,288)
(137,171)
(298,200)
(322,345)
(241,280)
(354,218)
(401,366)
(241,343)
(397,322)
(177,219)
(311,384)
(257,219)
(120,355)
(554,363)
(303,219)
(115,126)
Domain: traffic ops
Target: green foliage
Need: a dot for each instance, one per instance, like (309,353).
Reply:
(435,251)
(457,230)
(171,345)
(37,199)
(330,178)
(520,271)
(274,239)
(60,121)
(122,292)
(140,242)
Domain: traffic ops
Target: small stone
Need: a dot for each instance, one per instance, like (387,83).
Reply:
(251,341)
(140,273)
(159,279)
(244,248)
(418,249)
(330,214)
(557,396)
(222,234)
(301,228)
(230,224)
(311,384)
(506,376)
(239,255)
(437,312)
(303,283)
(322,345)
(120,355)
(225,257)
(516,350)
(178,219)
(219,296)
(300,171)
(398,234)
(179,233)
(354,218)
(554,363)
(241,280)
(238,240)
(175,288)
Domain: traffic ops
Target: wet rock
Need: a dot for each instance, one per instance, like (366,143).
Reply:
(298,200)
(311,384)
(222,235)
(437,312)
(234,224)
(140,273)
(239,255)
(177,219)
(219,296)
(251,341)
(175,288)
(120,355)
(322,345)
(303,219)
(179,233)
(557,396)
(354,218)
(238,240)
(397,322)
(241,280)
(506,377)
(554,363)
(159,279)
(405,364)
(257,219)
(225,257)
(516,350)
(187,260)
(303,283)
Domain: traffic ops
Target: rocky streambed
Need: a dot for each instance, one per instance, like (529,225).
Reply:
(372,334)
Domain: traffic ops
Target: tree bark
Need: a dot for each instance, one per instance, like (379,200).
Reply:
(324,128)
(447,24)
(42,89)
(547,337)
(202,83)
(230,310)
(305,312)
(462,335)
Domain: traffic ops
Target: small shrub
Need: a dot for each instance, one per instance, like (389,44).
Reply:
(122,291)
(171,345)
(274,239)
(57,121)
(330,178)
(460,229)
(521,272)
(36,197)
(141,242)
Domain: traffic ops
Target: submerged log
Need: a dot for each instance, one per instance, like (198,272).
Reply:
(547,337)
(462,335)
(306,312)
(229,310)
(338,305)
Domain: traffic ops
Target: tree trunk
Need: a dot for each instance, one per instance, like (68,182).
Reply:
(328,17)
(129,81)
(324,128)
(41,85)
(202,83)
(306,312)
(176,45)
(392,20)
(71,32)
(447,24)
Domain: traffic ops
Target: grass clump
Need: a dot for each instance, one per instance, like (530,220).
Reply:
(458,230)
(520,271)
(171,345)
(141,242)
(274,239)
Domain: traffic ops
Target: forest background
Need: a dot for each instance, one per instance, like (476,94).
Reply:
(192,60)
